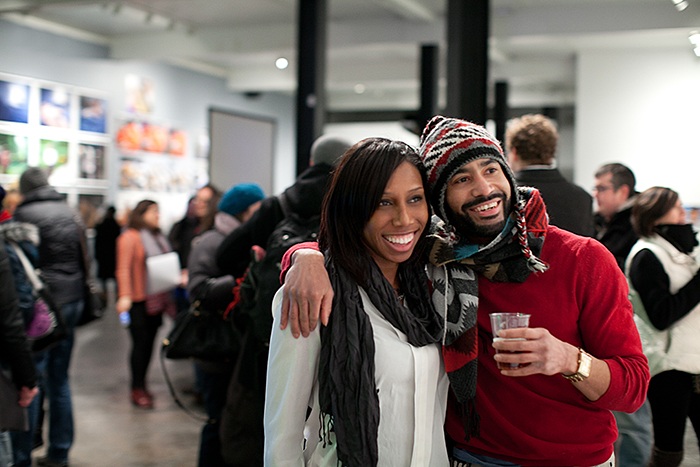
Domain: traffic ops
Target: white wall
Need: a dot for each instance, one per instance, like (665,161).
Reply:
(640,108)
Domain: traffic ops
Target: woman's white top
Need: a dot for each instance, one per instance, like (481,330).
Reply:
(411,383)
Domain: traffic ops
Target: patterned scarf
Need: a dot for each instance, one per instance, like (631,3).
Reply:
(510,257)
(347,392)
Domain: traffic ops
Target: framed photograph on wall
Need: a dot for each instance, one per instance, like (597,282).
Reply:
(14,102)
(54,107)
(91,161)
(53,154)
(13,154)
(93,114)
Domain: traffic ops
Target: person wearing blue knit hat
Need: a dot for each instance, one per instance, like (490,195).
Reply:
(213,289)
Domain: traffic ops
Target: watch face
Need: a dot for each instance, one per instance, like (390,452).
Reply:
(584,368)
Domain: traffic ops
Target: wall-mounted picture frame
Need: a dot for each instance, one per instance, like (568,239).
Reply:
(14,102)
(93,114)
(13,154)
(54,107)
(91,161)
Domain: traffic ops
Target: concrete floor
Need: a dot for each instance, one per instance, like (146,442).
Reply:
(109,431)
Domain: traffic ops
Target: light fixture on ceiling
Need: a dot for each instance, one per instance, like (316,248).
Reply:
(281,63)
(680,4)
(694,38)
(360,88)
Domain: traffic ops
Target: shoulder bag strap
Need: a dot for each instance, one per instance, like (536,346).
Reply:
(37,284)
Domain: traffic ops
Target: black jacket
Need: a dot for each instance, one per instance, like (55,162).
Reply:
(14,348)
(304,197)
(618,236)
(569,206)
(60,251)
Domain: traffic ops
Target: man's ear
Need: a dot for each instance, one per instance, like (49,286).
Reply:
(625,189)
(513,159)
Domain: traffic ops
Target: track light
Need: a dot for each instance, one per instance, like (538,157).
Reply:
(694,38)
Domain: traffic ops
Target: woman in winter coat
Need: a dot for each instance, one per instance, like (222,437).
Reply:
(662,268)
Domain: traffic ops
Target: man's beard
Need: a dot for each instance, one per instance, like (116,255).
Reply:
(466,227)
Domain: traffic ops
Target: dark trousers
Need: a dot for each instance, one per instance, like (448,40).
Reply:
(673,398)
(214,380)
(143,330)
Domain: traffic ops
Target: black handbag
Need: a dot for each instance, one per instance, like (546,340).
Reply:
(45,304)
(202,334)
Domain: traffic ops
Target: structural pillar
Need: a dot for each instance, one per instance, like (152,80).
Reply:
(500,110)
(467,59)
(311,77)
(428,85)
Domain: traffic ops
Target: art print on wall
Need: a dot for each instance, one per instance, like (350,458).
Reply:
(91,161)
(55,107)
(93,114)
(14,102)
(13,154)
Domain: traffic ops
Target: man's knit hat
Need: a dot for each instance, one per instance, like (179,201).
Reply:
(327,149)
(238,198)
(31,179)
(446,145)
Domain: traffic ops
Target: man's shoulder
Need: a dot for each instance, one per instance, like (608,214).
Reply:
(565,242)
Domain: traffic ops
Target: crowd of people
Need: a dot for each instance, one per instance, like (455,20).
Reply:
(397,364)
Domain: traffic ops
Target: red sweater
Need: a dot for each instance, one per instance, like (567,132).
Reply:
(544,420)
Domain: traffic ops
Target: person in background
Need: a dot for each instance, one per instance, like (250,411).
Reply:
(15,352)
(61,262)
(493,251)
(214,291)
(663,272)
(614,193)
(374,378)
(106,233)
(143,313)
(531,145)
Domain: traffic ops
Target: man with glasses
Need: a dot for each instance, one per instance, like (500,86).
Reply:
(614,193)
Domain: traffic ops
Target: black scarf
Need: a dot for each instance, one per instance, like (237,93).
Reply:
(682,236)
(348,395)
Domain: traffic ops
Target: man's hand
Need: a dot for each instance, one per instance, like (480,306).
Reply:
(307,293)
(542,353)
(26,395)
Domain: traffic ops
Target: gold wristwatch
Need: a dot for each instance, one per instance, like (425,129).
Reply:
(584,367)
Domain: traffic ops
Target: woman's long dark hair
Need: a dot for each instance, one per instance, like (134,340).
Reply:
(355,191)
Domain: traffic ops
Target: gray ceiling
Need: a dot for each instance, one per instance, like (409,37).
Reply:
(373,45)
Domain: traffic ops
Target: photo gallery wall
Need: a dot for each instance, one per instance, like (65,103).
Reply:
(59,127)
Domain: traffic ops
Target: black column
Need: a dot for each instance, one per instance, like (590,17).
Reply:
(500,110)
(467,59)
(311,77)
(428,85)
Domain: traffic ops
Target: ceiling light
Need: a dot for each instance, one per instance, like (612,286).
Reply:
(680,4)
(281,63)
(360,88)
(694,37)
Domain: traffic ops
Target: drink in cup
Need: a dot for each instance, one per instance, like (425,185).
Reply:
(500,321)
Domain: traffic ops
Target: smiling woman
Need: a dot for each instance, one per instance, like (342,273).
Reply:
(384,404)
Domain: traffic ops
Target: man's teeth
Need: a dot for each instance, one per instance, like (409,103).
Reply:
(485,207)
(400,239)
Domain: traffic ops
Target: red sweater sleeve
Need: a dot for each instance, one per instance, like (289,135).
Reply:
(287,258)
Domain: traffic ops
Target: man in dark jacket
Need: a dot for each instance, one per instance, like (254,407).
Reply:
(304,198)
(531,143)
(61,264)
(615,193)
